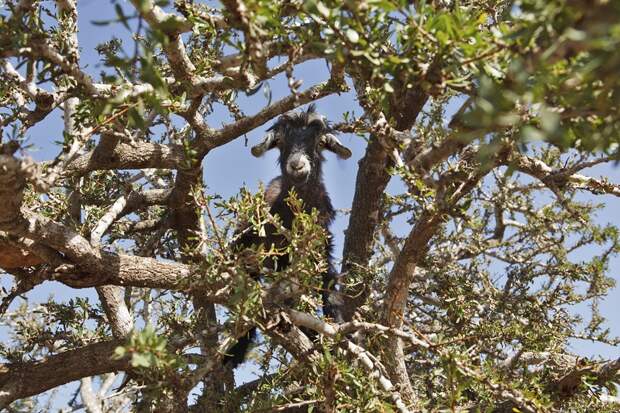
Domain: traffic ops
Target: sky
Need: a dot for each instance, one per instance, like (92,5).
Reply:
(230,167)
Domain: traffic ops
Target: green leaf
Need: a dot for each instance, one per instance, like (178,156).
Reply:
(352,35)
(120,352)
(141,360)
(121,16)
(549,121)
(322,9)
(530,133)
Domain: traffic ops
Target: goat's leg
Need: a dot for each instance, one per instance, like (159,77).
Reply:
(236,354)
(331,308)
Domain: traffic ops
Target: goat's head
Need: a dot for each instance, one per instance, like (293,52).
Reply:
(301,137)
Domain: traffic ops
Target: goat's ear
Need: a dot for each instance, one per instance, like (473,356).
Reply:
(331,143)
(270,141)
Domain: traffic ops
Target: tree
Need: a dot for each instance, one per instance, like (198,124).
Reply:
(460,289)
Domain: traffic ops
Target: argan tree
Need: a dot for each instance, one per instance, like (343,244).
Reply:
(461,286)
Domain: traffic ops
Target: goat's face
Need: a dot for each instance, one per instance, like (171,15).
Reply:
(301,138)
(300,156)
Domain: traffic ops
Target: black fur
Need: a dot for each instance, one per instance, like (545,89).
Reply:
(298,133)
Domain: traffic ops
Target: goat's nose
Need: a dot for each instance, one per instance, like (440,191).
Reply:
(297,165)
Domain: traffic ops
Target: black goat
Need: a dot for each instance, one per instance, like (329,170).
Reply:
(301,137)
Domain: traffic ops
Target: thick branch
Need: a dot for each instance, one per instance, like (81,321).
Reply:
(12,184)
(570,383)
(414,249)
(372,179)
(129,156)
(21,380)
(113,301)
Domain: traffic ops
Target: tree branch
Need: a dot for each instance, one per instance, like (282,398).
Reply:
(129,156)
(234,130)
(19,380)
(562,177)
(371,181)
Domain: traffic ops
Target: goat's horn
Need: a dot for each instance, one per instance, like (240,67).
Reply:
(333,144)
(268,142)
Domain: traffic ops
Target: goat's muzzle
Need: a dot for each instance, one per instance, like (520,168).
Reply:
(298,167)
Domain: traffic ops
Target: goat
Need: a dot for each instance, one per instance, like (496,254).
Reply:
(301,137)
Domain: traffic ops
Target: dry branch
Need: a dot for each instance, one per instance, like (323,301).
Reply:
(25,379)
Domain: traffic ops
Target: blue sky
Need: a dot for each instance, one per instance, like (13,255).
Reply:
(231,166)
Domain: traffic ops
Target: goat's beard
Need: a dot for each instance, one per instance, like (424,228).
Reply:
(300,178)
